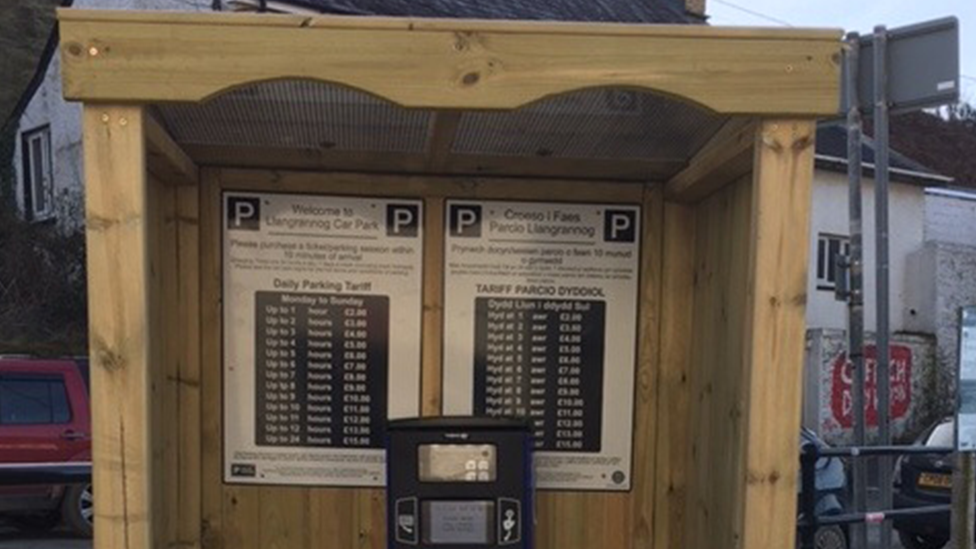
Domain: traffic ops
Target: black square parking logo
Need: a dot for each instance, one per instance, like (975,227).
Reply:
(243,213)
(464,220)
(402,219)
(619,226)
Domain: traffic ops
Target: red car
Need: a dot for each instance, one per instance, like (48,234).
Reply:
(45,419)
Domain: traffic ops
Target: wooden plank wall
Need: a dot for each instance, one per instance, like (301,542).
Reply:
(674,385)
(320,518)
(743,393)
(174,311)
(718,372)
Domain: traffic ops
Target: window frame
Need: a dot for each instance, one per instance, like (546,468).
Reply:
(49,380)
(825,281)
(27,137)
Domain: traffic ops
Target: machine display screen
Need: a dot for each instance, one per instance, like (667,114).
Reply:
(457,462)
(458,522)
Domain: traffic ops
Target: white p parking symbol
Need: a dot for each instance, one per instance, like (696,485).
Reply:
(243,211)
(620,226)
(402,219)
(465,220)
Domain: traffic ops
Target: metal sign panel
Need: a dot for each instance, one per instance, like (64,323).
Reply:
(966,412)
(923,66)
(322,316)
(540,321)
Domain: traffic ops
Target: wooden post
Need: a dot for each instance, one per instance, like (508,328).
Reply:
(964,479)
(674,389)
(963,490)
(119,340)
(776,330)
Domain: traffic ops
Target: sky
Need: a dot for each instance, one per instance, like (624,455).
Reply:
(860,16)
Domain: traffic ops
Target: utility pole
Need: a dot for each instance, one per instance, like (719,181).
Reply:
(855,296)
(882,374)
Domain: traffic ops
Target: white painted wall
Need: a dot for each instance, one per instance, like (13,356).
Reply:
(947,273)
(830,215)
(951,216)
(47,107)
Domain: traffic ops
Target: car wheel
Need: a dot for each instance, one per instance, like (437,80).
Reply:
(830,537)
(78,510)
(917,541)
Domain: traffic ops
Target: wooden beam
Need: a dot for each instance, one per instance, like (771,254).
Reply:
(674,386)
(726,157)
(120,331)
(776,329)
(443,130)
(150,57)
(166,159)
(642,506)
(432,372)
(189,375)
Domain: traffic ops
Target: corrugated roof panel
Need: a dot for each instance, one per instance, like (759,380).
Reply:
(299,114)
(598,123)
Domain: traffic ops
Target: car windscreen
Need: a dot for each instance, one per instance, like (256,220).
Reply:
(942,435)
(84,370)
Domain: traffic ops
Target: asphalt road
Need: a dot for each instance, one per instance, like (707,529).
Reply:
(10,539)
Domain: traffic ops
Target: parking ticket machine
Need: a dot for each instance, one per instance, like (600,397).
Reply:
(458,483)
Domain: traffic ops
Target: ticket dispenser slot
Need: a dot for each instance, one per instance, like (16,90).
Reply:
(458,483)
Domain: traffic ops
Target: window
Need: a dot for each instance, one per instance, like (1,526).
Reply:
(38,180)
(828,248)
(31,400)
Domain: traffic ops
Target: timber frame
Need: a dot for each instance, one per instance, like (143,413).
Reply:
(722,296)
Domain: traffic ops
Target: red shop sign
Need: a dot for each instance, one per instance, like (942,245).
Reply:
(841,401)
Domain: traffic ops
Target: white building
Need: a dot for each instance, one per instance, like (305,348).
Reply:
(47,154)
(932,272)
(945,269)
(830,229)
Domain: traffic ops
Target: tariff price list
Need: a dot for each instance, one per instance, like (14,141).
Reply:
(542,359)
(321,367)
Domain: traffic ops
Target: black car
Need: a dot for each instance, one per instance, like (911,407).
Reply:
(831,483)
(922,480)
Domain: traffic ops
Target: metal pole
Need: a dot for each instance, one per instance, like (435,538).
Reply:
(963,487)
(883,377)
(855,299)
(808,496)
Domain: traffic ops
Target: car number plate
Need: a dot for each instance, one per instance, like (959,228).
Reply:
(935,480)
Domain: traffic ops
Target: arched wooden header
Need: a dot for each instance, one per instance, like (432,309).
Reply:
(141,57)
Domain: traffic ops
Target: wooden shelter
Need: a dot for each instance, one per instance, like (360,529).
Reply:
(710,129)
